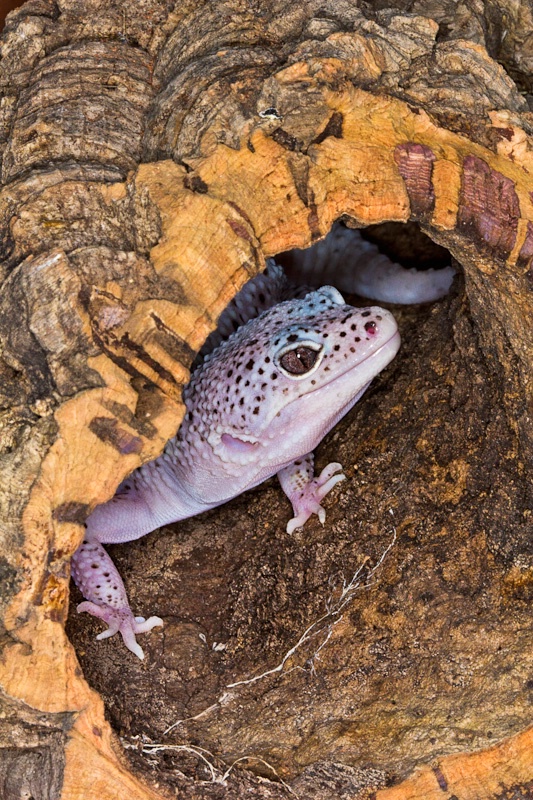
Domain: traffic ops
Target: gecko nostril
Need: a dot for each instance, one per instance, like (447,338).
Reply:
(371,328)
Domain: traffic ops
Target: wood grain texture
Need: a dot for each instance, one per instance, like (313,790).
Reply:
(152,158)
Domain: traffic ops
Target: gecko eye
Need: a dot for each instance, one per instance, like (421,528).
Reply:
(298,361)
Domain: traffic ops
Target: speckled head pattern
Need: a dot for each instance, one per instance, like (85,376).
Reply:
(316,350)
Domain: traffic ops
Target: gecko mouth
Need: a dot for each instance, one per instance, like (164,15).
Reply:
(392,343)
(246,444)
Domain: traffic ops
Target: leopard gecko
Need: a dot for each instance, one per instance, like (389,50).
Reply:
(282,368)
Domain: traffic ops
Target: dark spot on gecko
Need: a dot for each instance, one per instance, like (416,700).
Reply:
(274,376)
(366,313)
(250,364)
(256,410)
(343,333)
(293,337)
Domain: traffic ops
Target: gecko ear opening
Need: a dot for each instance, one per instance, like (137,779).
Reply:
(236,445)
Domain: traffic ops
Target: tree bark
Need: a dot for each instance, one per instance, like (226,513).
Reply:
(152,157)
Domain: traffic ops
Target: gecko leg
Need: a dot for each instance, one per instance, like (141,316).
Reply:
(305,491)
(97,577)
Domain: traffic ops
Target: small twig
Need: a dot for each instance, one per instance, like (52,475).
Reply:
(325,623)
(333,612)
(261,761)
(220,702)
(217,776)
(150,748)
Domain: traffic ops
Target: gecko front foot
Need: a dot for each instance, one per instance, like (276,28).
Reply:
(306,492)
(121,621)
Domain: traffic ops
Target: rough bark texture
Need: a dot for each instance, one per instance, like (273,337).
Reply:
(152,156)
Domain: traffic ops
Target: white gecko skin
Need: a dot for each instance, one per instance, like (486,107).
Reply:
(258,404)
(358,267)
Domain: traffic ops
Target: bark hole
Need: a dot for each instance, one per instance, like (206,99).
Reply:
(230,583)
(357,263)
(402,242)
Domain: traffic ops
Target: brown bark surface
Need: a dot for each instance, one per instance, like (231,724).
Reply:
(152,156)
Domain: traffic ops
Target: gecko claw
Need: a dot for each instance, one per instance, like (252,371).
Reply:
(307,502)
(121,621)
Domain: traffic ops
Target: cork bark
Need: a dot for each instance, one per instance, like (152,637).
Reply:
(153,155)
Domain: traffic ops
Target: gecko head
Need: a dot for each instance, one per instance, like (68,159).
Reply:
(280,383)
